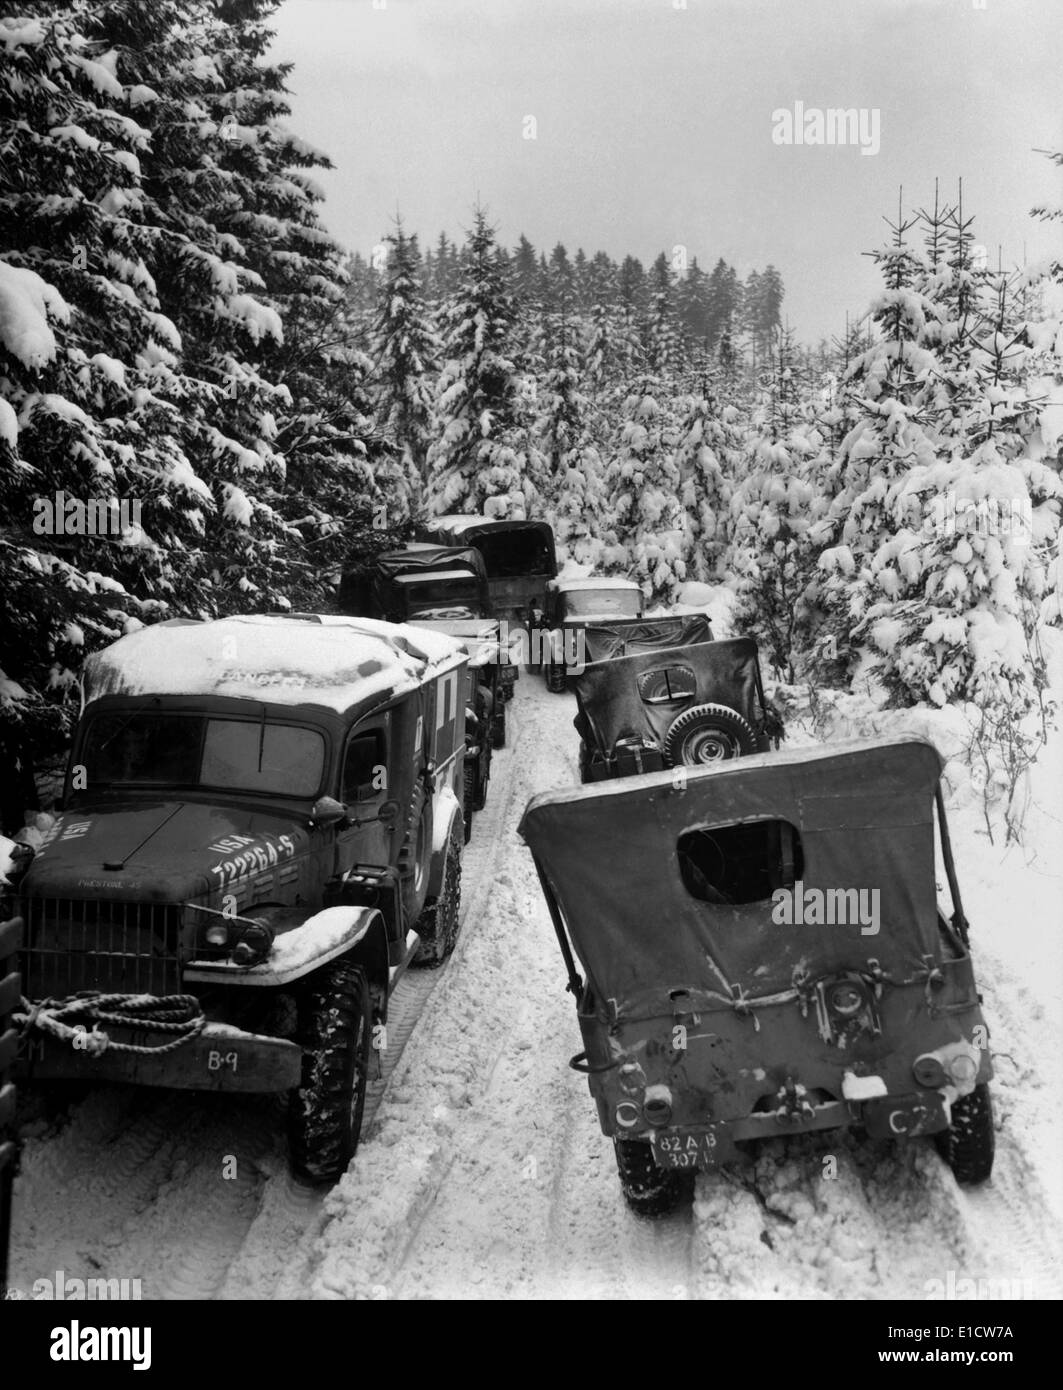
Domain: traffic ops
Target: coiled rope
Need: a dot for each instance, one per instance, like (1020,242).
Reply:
(68,1020)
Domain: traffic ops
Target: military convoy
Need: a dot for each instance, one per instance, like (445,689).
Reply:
(263,826)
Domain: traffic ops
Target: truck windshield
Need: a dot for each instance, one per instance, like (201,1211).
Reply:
(191,750)
(616,603)
(456,596)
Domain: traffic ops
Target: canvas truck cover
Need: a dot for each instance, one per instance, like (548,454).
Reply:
(371,592)
(342,664)
(511,548)
(864,814)
(604,641)
(611,706)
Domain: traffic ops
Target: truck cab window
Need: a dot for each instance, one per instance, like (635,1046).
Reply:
(364,766)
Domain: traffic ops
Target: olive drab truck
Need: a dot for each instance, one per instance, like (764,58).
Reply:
(261,829)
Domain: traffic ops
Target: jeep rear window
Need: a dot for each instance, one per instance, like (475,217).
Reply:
(745,863)
(668,685)
(186,750)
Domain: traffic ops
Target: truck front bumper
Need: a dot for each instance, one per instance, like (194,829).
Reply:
(220,1058)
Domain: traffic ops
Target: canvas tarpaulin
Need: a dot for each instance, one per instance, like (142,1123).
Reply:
(864,815)
(604,641)
(375,593)
(611,706)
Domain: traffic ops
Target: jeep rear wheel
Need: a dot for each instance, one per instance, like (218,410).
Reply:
(969,1143)
(498,727)
(438,925)
(708,734)
(483,776)
(555,678)
(649,1190)
(325,1112)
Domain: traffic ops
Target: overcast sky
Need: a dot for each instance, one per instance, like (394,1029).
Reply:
(653,124)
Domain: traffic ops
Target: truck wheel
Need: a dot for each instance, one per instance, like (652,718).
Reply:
(649,1190)
(438,924)
(468,797)
(584,762)
(968,1144)
(555,679)
(498,727)
(483,776)
(708,734)
(325,1113)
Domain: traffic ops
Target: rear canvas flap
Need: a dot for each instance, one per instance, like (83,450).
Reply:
(604,641)
(864,817)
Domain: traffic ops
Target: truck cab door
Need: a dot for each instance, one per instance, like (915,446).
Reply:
(366,792)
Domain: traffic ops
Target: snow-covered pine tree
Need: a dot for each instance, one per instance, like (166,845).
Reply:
(708,458)
(404,349)
(478,461)
(646,526)
(883,395)
(966,588)
(773,511)
(662,345)
(161,222)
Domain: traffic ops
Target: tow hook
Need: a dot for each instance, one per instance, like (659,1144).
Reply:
(792,1102)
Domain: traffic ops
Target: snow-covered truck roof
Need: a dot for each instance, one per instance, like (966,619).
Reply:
(329,660)
(426,576)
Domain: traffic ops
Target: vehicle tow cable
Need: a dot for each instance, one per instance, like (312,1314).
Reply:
(69,1019)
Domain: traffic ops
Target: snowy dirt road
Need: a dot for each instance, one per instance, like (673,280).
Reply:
(482,1172)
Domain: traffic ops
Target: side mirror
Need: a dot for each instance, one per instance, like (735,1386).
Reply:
(326,810)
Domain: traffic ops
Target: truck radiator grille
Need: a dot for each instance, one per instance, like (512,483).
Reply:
(71,945)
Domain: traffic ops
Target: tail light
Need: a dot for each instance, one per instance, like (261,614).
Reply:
(846,999)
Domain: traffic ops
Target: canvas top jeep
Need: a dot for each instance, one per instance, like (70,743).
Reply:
(670,706)
(519,556)
(419,581)
(261,829)
(764,955)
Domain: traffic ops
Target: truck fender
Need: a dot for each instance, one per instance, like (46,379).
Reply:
(447,820)
(330,933)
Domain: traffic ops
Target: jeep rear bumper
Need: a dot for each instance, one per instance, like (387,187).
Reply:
(708,1146)
(221,1058)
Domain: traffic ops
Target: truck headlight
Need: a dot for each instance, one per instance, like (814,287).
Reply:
(255,944)
(217,934)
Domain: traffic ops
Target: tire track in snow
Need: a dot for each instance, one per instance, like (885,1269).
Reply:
(292,1216)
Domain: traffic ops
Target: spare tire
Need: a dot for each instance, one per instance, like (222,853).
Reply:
(708,734)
